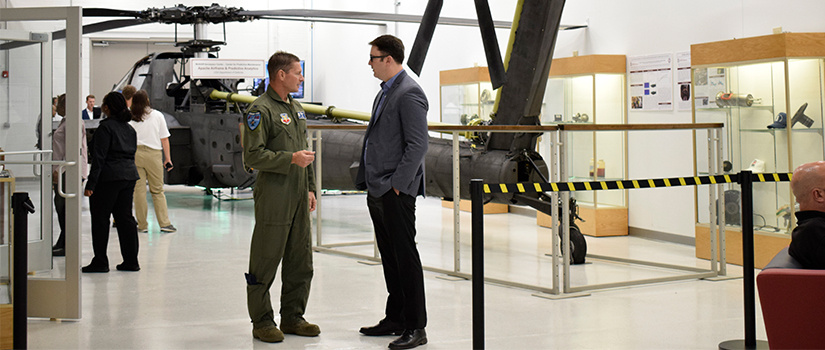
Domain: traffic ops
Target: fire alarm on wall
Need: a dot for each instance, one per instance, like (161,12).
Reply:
(5,74)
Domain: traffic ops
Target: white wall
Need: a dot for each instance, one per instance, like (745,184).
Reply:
(337,72)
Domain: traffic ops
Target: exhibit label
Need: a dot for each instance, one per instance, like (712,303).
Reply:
(216,68)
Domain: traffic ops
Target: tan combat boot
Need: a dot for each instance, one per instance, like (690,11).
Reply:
(269,334)
(301,327)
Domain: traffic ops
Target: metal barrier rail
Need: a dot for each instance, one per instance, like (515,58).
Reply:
(34,154)
(744,178)
(455,131)
(555,163)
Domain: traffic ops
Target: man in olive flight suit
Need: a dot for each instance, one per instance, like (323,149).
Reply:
(275,143)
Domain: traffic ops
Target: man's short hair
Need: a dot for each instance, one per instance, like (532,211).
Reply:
(61,105)
(128,92)
(280,60)
(391,46)
(90,96)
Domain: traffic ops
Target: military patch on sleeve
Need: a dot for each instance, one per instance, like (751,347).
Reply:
(301,115)
(285,118)
(253,119)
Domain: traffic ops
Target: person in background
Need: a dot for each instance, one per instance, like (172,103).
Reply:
(59,153)
(275,143)
(111,185)
(392,172)
(89,111)
(808,238)
(39,144)
(152,149)
(128,92)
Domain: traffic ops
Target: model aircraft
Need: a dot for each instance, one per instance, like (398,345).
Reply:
(205,137)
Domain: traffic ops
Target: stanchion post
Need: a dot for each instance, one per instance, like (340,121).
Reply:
(746,183)
(319,176)
(21,206)
(476,196)
(747,257)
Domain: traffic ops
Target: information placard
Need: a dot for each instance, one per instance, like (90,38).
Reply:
(218,68)
(651,82)
(683,80)
(707,82)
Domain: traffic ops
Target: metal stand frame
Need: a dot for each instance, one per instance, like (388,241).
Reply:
(561,288)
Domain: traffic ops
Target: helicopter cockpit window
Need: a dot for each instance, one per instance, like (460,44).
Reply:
(123,81)
(140,75)
(135,76)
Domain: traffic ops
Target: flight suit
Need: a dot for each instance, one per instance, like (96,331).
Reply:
(274,130)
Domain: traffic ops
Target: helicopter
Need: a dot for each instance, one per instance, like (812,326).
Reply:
(205,133)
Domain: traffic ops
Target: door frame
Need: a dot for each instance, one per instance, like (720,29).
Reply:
(61,297)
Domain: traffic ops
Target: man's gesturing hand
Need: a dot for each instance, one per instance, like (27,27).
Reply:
(303,158)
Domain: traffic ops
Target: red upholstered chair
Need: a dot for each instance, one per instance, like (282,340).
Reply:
(793,304)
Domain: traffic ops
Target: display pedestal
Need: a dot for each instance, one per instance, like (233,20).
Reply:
(6,330)
(766,245)
(489,208)
(599,221)
(740,345)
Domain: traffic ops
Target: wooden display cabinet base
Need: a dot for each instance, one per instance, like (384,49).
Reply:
(599,222)
(489,208)
(6,330)
(765,244)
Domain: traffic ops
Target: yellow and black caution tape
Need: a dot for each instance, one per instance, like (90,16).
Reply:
(526,187)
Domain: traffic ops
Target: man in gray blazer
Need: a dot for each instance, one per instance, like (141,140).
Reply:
(392,172)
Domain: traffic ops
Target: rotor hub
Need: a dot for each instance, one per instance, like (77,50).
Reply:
(194,14)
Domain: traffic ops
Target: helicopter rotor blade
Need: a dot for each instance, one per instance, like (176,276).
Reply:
(87,29)
(424,36)
(348,16)
(102,12)
(101,26)
(491,49)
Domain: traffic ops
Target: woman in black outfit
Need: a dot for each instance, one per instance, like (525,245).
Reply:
(111,184)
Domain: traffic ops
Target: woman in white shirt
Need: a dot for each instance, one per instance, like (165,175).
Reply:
(152,149)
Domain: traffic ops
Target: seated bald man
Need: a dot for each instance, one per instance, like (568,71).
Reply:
(808,238)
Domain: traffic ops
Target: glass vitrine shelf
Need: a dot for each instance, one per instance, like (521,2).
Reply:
(590,90)
(466,94)
(784,72)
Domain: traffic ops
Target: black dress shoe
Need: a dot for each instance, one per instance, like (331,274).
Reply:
(384,327)
(58,251)
(95,268)
(128,267)
(409,339)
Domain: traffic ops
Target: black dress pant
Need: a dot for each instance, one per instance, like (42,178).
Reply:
(60,208)
(393,217)
(113,199)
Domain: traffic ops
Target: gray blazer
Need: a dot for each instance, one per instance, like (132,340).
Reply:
(396,141)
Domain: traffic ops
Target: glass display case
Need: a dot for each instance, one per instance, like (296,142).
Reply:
(6,310)
(467,98)
(591,90)
(466,95)
(768,91)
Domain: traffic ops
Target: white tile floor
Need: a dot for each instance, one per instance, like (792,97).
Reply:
(190,293)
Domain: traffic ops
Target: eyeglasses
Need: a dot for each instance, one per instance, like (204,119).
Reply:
(374,57)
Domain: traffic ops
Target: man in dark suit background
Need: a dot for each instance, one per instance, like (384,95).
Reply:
(392,172)
(88,113)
